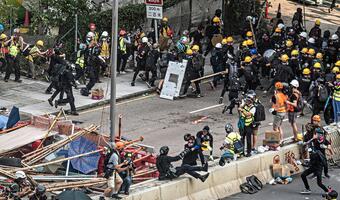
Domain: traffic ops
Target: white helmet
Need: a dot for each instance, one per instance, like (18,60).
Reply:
(311,40)
(303,34)
(334,37)
(145,40)
(90,35)
(105,34)
(281,26)
(294,83)
(184,40)
(218,46)
(20,174)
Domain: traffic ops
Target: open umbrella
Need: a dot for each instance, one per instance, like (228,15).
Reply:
(84,164)
(72,195)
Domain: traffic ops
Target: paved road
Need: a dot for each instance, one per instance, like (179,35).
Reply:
(164,122)
(291,191)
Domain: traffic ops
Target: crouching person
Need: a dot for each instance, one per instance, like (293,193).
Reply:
(168,172)
(232,145)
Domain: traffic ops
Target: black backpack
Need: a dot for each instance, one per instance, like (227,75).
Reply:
(108,171)
(235,84)
(322,93)
(260,113)
(248,73)
(27,50)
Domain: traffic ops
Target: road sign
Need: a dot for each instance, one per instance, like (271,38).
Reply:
(154,2)
(154,12)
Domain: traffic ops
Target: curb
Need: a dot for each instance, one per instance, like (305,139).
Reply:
(107,101)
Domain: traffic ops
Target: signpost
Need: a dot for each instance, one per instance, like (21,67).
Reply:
(154,10)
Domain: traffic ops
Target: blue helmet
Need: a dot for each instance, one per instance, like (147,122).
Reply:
(2,27)
(253,51)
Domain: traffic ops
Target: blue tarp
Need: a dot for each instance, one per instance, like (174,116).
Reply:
(11,120)
(85,164)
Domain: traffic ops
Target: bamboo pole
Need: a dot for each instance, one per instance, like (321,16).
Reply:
(56,161)
(50,128)
(209,76)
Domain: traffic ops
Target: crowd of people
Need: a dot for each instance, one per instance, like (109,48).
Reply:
(302,66)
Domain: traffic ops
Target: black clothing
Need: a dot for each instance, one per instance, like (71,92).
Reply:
(142,53)
(67,82)
(197,38)
(304,85)
(151,62)
(284,73)
(12,65)
(191,157)
(200,138)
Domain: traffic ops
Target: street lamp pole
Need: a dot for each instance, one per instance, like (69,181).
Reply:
(113,69)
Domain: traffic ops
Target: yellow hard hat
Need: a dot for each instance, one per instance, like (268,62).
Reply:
(299,137)
(306,71)
(319,56)
(337,76)
(40,43)
(337,63)
(224,41)
(278,30)
(247,59)
(249,34)
(284,58)
(311,51)
(335,70)
(3,36)
(304,50)
(317,65)
(165,19)
(250,42)
(189,52)
(230,39)
(195,48)
(295,52)
(216,20)
(289,43)
(244,43)
(317,22)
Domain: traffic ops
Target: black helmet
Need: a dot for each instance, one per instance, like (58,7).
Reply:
(206,128)
(333,194)
(187,136)
(228,128)
(164,150)
(41,189)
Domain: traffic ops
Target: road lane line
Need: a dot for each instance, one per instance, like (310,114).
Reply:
(121,103)
(207,108)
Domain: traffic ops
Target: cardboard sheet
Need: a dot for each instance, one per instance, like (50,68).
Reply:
(21,137)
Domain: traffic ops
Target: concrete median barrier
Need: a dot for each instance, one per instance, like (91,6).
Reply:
(222,182)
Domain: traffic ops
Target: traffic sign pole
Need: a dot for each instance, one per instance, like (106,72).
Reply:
(156,30)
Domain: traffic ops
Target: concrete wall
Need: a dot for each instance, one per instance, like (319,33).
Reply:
(222,182)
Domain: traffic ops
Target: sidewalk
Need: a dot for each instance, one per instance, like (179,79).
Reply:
(29,96)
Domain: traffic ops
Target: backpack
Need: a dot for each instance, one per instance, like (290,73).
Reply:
(248,73)
(237,144)
(108,171)
(260,113)
(235,84)
(215,59)
(299,105)
(27,50)
(322,93)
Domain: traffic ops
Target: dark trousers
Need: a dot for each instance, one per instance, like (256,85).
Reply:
(248,132)
(188,83)
(318,174)
(140,66)
(3,64)
(93,79)
(216,69)
(121,61)
(57,91)
(191,170)
(12,66)
(153,76)
(69,98)
(51,86)
(79,72)
(333,4)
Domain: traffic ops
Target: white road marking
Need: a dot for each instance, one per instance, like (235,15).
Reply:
(207,108)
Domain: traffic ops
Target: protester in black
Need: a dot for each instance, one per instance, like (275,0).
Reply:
(168,172)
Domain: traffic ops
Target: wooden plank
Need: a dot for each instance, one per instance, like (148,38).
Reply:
(21,137)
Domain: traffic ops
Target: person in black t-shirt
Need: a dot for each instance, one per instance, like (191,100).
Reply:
(191,157)
(197,37)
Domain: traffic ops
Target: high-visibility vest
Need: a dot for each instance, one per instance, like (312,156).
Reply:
(80,59)
(13,49)
(280,105)
(33,53)
(122,45)
(105,50)
(336,93)
(248,120)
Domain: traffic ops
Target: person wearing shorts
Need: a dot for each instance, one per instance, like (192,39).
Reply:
(292,106)
(279,108)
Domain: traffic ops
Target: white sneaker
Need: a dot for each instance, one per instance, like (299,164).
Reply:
(305,191)
(77,82)
(123,72)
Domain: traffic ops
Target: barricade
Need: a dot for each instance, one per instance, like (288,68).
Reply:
(222,182)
